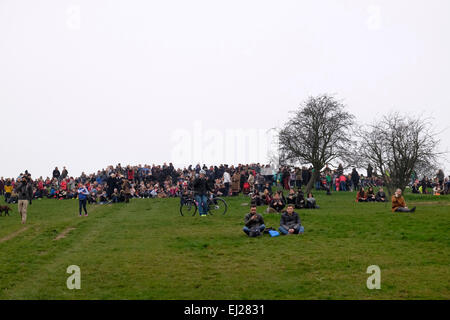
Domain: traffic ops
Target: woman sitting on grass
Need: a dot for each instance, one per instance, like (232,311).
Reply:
(361,195)
(311,202)
(277,204)
(370,195)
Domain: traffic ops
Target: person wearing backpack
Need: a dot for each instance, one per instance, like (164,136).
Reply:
(254,223)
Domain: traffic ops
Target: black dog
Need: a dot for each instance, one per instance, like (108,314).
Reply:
(5,209)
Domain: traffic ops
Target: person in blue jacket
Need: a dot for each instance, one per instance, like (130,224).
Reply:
(83,193)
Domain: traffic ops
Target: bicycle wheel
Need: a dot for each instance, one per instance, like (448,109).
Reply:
(188,208)
(217,206)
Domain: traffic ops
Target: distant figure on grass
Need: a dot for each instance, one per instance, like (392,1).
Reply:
(361,195)
(437,190)
(380,196)
(201,187)
(277,204)
(399,204)
(311,202)
(300,199)
(126,187)
(370,195)
(292,197)
(254,223)
(25,196)
(290,222)
(83,193)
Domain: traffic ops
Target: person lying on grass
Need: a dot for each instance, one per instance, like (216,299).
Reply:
(399,204)
(290,222)
(254,223)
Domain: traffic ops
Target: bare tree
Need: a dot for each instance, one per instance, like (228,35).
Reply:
(318,133)
(396,146)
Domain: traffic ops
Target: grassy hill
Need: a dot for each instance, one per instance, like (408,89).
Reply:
(146,250)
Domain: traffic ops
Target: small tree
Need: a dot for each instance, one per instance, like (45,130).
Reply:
(396,146)
(317,134)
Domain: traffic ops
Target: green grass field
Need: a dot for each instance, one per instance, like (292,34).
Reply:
(146,250)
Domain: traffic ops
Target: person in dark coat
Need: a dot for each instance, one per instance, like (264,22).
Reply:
(381,196)
(254,223)
(25,196)
(111,183)
(56,173)
(290,222)
(277,204)
(300,200)
(292,197)
(355,179)
(201,188)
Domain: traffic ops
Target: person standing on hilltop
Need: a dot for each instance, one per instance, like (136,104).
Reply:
(25,195)
(83,193)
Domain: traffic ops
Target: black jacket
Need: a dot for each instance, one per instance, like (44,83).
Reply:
(201,186)
(253,223)
(290,221)
(25,191)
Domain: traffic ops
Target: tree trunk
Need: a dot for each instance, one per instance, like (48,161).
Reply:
(312,180)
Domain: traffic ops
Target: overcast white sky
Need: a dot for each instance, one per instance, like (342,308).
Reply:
(90,83)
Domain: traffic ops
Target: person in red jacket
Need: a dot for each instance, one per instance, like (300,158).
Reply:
(130,173)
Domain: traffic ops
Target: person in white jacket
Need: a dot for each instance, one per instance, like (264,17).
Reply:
(226,182)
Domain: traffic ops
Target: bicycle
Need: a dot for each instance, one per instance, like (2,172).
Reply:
(215,205)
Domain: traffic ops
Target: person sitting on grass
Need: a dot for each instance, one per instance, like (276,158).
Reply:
(267,187)
(370,195)
(290,222)
(311,202)
(437,190)
(103,198)
(361,195)
(256,198)
(276,205)
(266,197)
(300,199)
(292,197)
(115,196)
(399,204)
(380,196)
(254,223)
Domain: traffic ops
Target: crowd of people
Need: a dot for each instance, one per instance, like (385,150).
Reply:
(119,184)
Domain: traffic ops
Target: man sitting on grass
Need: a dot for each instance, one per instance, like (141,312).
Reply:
(254,223)
(399,204)
(290,222)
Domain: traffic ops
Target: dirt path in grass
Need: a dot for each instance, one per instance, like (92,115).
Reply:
(13,235)
(64,233)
